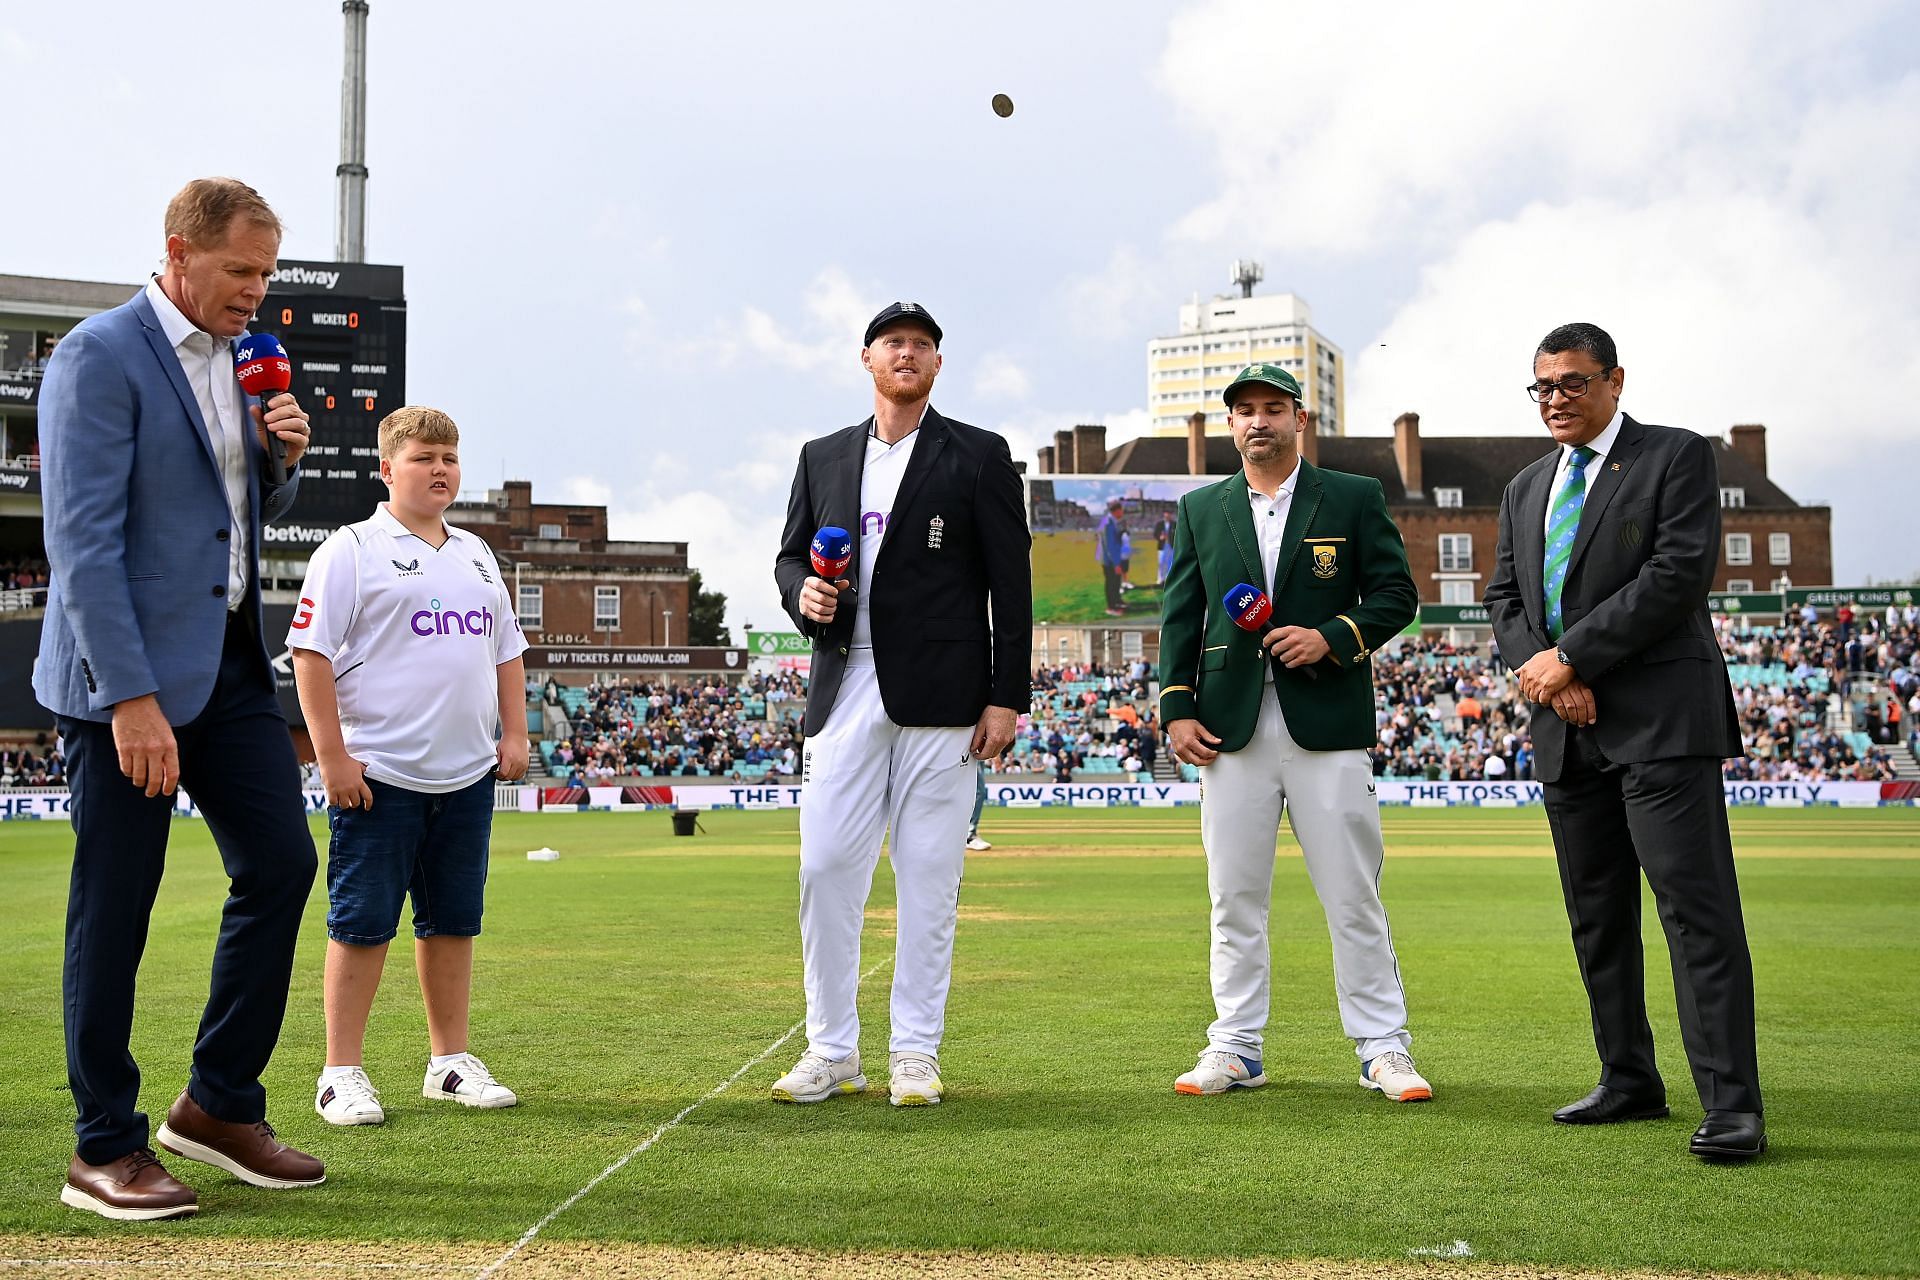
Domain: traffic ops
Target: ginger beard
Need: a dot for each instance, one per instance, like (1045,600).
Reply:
(905,377)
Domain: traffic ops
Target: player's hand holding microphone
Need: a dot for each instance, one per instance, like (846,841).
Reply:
(264,370)
(831,552)
(1295,647)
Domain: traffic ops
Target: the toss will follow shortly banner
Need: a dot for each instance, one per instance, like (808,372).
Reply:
(1020,795)
(53,803)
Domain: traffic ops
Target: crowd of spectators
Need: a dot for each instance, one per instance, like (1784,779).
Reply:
(707,725)
(1785,678)
(1087,720)
(31,767)
(23,583)
(1446,713)
(1443,712)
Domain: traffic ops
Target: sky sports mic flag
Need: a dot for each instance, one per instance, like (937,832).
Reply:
(264,370)
(832,552)
(1249,606)
(1251,610)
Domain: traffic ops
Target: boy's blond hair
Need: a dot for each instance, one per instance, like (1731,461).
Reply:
(415,422)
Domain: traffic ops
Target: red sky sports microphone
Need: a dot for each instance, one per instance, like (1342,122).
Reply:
(832,552)
(1251,610)
(261,364)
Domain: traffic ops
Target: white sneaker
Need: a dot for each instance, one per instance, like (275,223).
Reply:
(1220,1070)
(466,1080)
(348,1097)
(915,1080)
(976,844)
(1392,1073)
(815,1078)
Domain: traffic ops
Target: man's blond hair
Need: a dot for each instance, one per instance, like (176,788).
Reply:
(206,207)
(415,422)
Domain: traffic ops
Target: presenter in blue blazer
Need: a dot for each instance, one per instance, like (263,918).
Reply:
(153,467)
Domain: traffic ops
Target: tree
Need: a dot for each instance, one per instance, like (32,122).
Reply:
(707,623)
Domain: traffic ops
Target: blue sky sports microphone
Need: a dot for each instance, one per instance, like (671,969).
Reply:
(1251,610)
(832,552)
(262,366)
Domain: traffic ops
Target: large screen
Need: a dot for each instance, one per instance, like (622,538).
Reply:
(1102,546)
(344,325)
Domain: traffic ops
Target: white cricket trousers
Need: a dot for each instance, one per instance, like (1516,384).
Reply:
(865,775)
(1337,820)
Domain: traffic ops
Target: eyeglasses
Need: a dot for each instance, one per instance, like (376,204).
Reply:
(1573,386)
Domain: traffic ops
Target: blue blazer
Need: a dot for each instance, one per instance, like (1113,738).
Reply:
(137,524)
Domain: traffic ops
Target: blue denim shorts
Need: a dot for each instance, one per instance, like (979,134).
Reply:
(432,846)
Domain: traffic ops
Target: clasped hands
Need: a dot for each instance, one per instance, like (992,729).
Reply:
(1545,679)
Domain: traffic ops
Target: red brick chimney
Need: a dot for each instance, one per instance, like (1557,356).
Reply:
(1197,444)
(1089,448)
(1310,439)
(1046,459)
(1750,442)
(1406,451)
(1063,453)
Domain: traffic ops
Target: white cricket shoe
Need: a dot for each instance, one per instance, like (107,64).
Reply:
(816,1077)
(1392,1073)
(348,1097)
(466,1080)
(975,843)
(915,1080)
(1219,1070)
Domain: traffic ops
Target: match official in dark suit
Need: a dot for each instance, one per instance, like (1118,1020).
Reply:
(1608,547)
(921,665)
(155,474)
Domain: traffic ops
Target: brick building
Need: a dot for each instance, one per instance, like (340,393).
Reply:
(1444,493)
(573,585)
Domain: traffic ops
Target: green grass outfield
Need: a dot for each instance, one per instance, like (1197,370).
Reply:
(624,982)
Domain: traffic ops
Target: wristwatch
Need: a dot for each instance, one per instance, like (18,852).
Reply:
(1561,654)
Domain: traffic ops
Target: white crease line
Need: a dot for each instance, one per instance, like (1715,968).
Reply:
(534,1230)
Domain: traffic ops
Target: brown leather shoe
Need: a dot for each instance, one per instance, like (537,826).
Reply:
(134,1188)
(249,1152)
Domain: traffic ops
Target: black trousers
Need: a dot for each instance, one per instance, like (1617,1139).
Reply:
(1667,818)
(237,761)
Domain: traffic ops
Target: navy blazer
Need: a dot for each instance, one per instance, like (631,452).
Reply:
(137,524)
(1634,602)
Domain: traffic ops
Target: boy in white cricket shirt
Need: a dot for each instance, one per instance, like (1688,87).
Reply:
(406,654)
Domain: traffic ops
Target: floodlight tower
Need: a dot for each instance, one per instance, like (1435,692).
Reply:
(1247,273)
(350,235)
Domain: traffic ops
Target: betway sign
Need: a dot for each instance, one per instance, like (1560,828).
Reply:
(582,658)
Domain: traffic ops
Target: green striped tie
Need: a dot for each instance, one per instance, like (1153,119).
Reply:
(1560,533)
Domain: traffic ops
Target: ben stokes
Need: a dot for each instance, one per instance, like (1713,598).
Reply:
(921,653)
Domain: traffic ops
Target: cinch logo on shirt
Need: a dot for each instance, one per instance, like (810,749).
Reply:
(434,621)
(873,522)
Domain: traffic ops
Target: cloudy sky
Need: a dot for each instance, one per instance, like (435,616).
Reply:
(641,240)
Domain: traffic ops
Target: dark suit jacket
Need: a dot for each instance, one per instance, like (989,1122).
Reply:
(1342,571)
(941,657)
(137,524)
(1635,600)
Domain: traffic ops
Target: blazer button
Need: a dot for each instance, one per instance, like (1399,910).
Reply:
(219,591)
(843,650)
(220,536)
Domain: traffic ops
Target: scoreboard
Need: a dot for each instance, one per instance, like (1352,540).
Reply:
(344,325)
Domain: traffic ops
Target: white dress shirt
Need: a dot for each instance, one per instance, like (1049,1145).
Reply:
(1601,445)
(208,363)
(1270,527)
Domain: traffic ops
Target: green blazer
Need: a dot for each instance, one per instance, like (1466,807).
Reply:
(1342,571)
